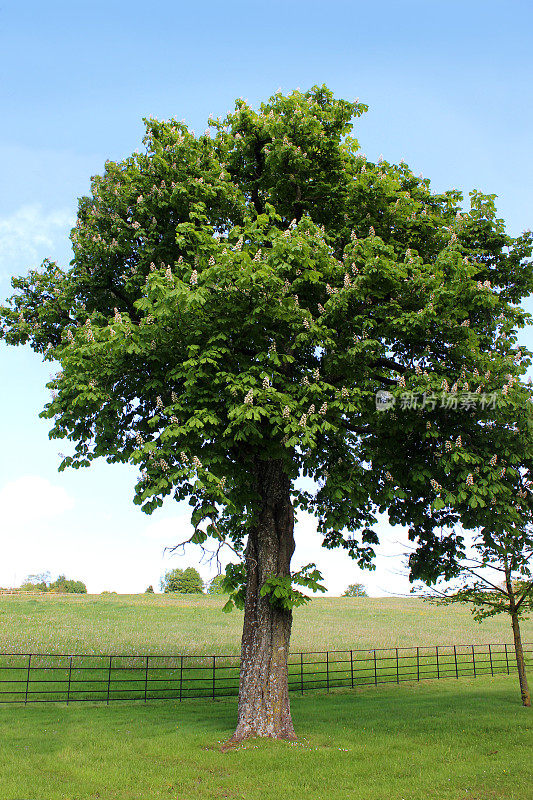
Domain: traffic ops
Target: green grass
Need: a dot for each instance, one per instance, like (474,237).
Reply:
(451,740)
(162,624)
(444,740)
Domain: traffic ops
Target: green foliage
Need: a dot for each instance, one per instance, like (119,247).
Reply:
(61,585)
(281,591)
(149,590)
(355,590)
(233,583)
(242,296)
(215,585)
(487,602)
(182,581)
(494,575)
(496,578)
(36,583)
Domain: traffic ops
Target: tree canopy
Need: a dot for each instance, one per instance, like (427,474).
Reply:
(355,590)
(182,581)
(253,290)
(493,572)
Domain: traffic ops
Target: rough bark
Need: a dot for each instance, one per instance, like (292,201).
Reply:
(520,661)
(264,708)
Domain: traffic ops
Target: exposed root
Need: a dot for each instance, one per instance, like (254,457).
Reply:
(239,738)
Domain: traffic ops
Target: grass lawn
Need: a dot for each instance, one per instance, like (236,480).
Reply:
(451,740)
(196,624)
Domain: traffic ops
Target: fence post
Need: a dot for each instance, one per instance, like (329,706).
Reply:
(146,680)
(397,668)
(490,656)
(69,676)
(507,659)
(302,672)
(375,669)
(455,659)
(327,670)
(418,664)
(437,654)
(109,679)
(181,677)
(214,673)
(474,660)
(351,665)
(27,680)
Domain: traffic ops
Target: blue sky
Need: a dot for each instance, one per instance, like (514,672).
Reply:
(449,86)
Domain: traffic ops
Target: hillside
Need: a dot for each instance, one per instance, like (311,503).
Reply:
(196,624)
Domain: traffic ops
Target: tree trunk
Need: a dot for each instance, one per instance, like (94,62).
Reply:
(264,708)
(519,652)
(520,662)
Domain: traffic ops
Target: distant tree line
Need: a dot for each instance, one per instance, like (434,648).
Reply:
(188,581)
(43,583)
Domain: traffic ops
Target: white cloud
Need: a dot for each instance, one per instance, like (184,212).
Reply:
(29,234)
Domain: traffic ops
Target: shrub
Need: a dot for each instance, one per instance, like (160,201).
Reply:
(182,581)
(355,590)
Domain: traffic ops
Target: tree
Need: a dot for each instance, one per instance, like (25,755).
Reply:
(149,590)
(355,590)
(65,586)
(61,585)
(43,583)
(509,555)
(39,582)
(239,310)
(182,581)
(216,586)
(496,501)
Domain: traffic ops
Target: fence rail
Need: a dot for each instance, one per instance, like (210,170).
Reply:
(32,677)
(39,593)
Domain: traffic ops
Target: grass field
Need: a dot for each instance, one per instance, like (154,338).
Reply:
(467,739)
(451,740)
(163,624)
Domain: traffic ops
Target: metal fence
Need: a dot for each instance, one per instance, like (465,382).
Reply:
(35,677)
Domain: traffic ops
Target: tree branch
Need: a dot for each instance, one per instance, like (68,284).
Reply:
(525,594)
(485,580)
(389,363)
(127,302)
